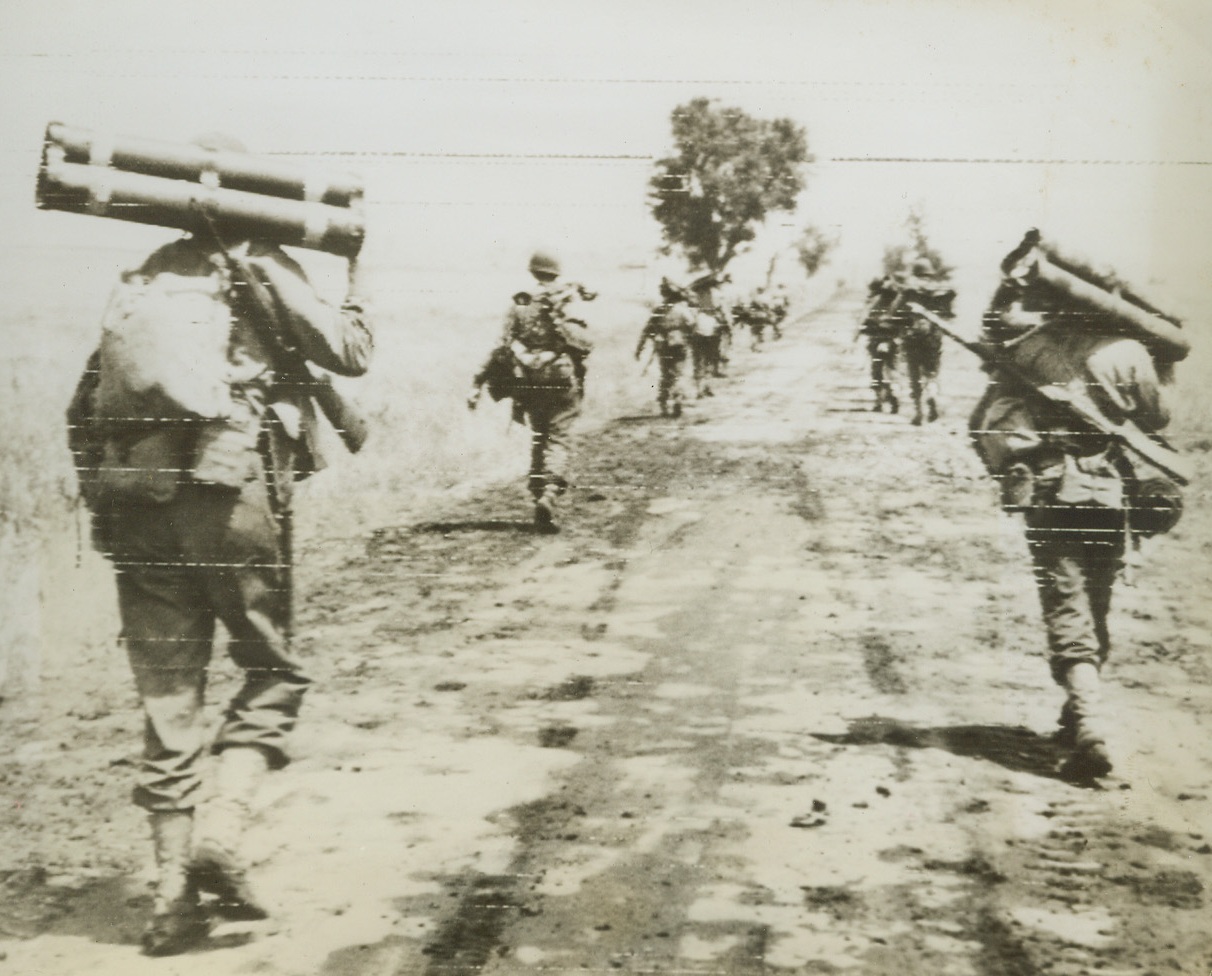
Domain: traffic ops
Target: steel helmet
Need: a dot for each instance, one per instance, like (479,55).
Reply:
(543,263)
(671,290)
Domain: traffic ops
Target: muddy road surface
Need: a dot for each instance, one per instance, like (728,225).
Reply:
(773,701)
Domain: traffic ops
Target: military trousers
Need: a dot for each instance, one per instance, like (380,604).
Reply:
(671,391)
(923,359)
(209,554)
(1076,554)
(550,415)
(703,350)
(882,352)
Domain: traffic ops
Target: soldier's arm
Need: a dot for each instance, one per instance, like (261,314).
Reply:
(649,332)
(339,340)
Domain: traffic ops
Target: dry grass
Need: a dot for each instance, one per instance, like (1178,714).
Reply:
(426,443)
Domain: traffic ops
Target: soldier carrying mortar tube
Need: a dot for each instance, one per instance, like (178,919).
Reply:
(193,508)
(1069,424)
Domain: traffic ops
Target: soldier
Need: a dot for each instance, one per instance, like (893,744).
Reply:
(712,335)
(669,329)
(194,513)
(540,364)
(921,343)
(880,329)
(1084,497)
(779,305)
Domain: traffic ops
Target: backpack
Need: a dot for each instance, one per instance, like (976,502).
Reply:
(547,346)
(674,324)
(163,350)
(159,373)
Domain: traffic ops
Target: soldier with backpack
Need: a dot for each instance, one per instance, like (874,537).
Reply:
(711,340)
(669,329)
(192,422)
(879,327)
(539,363)
(921,344)
(1069,426)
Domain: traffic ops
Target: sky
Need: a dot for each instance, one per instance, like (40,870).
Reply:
(486,129)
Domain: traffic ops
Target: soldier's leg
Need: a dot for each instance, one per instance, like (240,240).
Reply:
(1102,566)
(678,395)
(913,362)
(931,366)
(536,481)
(878,383)
(930,391)
(248,581)
(1076,640)
(698,364)
(717,352)
(665,384)
(553,420)
(891,376)
(167,628)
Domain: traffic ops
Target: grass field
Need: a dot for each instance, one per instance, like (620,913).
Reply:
(433,329)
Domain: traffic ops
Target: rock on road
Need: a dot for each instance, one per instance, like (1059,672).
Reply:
(773,702)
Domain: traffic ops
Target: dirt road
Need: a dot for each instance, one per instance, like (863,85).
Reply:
(773,701)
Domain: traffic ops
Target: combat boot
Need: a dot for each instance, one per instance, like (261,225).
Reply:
(931,411)
(178,922)
(1083,724)
(217,867)
(1065,736)
(544,511)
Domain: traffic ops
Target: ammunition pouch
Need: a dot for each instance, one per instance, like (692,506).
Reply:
(140,469)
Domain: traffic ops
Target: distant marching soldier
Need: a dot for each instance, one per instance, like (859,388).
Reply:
(921,343)
(1085,493)
(669,330)
(753,314)
(539,363)
(778,305)
(712,334)
(880,330)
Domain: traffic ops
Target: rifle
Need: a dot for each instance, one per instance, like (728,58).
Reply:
(1151,448)
(346,420)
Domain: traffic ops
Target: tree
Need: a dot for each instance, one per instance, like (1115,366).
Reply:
(812,248)
(729,172)
(898,257)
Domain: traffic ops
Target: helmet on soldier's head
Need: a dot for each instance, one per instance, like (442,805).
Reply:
(543,263)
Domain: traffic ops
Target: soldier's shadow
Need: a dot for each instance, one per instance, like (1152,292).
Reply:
(106,911)
(523,526)
(1012,747)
